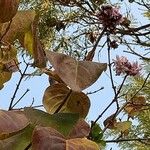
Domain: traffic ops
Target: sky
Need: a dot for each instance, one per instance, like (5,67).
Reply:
(38,84)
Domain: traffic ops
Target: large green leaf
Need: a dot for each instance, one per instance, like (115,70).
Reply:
(63,122)
(78,75)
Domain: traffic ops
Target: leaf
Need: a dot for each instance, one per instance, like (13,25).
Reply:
(53,76)
(76,102)
(81,143)
(7,66)
(135,105)
(11,65)
(8,9)
(29,41)
(80,130)
(44,138)
(7,53)
(37,48)
(4,76)
(110,122)
(72,71)
(123,126)
(96,134)
(61,122)
(19,141)
(147,14)
(24,28)
(11,121)
(21,24)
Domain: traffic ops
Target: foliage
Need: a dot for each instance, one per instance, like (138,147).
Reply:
(62,39)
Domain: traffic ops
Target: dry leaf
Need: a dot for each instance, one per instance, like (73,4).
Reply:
(78,75)
(110,122)
(77,102)
(8,9)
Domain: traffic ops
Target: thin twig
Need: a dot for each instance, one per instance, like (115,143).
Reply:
(20,98)
(93,92)
(133,95)
(109,65)
(17,87)
(37,106)
(92,52)
(28,146)
(125,140)
(114,100)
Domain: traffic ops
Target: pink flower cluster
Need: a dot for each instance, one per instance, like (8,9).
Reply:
(110,17)
(123,66)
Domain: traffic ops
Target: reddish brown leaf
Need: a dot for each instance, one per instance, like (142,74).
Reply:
(53,76)
(38,51)
(78,75)
(21,24)
(49,138)
(110,122)
(8,9)
(81,130)
(11,121)
(81,144)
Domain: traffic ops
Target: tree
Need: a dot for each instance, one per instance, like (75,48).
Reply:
(76,32)
(141,113)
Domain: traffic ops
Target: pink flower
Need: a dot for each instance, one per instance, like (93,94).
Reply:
(109,16)
(123,66)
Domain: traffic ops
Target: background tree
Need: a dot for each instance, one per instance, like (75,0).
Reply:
(74,43)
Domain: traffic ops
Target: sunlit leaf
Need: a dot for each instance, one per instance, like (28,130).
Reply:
(52,139)
(75,102)
(29,41)
(61,122)
(8,9)
(81,143)
(78,75)
(11,121)
(123,126)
